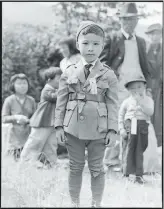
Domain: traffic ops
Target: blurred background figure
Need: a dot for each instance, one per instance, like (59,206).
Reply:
(42,142)
(116,26)
(17,110)
(152,162)
(69,51)
(154,55)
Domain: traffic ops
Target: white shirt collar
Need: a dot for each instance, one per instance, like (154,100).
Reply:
(126,34)
(86,63)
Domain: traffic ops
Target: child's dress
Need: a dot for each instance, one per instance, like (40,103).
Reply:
(42,139)
(17,134)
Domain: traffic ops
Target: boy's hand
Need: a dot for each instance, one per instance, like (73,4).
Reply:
(123,133)
(110,139)
(138,97)
(60,134)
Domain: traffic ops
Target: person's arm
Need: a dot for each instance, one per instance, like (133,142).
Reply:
(144,61)
(6,112)
(112,102)
(62,99)
(121,115)
(147,105)
(49,94)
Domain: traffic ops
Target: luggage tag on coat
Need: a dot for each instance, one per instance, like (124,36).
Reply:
(134,126)
(93,85)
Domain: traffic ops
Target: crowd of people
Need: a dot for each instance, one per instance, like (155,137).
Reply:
(105,97)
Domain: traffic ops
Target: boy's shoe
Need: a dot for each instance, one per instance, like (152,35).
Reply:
(140,180)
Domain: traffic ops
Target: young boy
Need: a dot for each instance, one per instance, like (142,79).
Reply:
(86,112)
(134,119)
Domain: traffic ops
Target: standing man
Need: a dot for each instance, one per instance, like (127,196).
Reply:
(126,55)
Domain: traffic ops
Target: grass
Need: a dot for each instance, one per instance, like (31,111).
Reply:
(26,186)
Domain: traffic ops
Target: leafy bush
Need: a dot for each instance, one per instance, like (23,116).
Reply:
(28,49)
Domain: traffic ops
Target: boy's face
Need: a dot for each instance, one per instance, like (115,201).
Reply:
(90,46)
(137,87)
(155,36)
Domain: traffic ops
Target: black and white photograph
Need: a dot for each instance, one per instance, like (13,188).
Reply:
(82,104)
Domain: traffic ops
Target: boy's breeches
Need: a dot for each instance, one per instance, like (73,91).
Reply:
(41,140)
(133,149)
(76,151)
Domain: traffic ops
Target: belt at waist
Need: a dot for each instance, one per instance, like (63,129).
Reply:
(87,97)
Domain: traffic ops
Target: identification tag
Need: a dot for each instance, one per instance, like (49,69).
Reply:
(134,126)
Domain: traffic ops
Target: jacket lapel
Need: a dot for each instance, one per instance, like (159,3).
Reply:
(80,72)
(97,71)
(121,46)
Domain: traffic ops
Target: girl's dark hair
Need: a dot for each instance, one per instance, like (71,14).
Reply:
(21,76)
(51,72)
(93,29)
(71,43)
(54,58)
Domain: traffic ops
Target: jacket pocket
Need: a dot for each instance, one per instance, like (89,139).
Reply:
(102,84)
(102,119)
(69,112)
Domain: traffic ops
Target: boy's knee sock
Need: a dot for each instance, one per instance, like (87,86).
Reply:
(75,182)
(97,187)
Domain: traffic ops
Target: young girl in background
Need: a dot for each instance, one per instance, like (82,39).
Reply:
(42,143)
(17,110)
(70,52)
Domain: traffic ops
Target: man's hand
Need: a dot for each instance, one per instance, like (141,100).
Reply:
(110,139)
(60,134)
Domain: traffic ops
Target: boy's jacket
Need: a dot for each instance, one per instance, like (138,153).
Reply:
(87,119)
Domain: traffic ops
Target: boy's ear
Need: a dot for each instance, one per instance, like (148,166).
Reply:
(77,45)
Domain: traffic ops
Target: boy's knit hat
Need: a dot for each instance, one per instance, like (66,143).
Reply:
(85,24)
(130,80)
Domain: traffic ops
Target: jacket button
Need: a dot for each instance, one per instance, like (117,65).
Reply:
(81,117)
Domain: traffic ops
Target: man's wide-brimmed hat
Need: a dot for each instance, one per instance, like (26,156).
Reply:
(128,9)
(134,79)
(153,27)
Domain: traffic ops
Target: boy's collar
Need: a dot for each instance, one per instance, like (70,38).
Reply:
(86,63)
